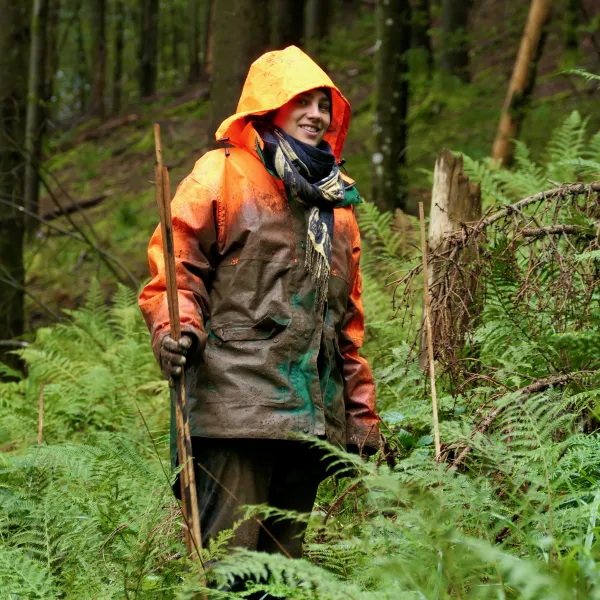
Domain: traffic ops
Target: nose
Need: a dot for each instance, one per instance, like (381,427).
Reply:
(312,111)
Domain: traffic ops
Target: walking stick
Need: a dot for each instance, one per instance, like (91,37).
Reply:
(187,479)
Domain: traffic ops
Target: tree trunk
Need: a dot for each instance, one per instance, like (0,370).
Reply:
(52,58)
(522,81)
(391,103)
(82,63)
(195,70)
(454,202)
(318,20)
(209,30)
(455,38)
(239,39)
(99,65)
(420,38)
(571,35)
(149,48)
(118,56)
(174,38)
(14,49)
(35,106)
(287,23)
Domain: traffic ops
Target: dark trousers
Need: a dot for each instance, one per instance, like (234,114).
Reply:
(281,473)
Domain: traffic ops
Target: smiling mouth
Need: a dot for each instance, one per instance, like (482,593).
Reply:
(310,129)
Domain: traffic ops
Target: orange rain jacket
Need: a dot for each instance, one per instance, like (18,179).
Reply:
(271,364)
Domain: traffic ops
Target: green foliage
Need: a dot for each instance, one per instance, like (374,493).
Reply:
(568,156)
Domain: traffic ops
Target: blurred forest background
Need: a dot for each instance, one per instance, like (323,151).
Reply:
(510,508)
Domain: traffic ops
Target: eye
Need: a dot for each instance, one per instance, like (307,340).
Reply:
(324,107)
(302,101)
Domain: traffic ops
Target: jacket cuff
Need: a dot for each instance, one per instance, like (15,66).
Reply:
(363,434)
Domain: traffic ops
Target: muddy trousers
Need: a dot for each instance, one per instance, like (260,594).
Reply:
(284,474)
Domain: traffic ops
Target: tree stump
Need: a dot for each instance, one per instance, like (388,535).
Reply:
(455,202)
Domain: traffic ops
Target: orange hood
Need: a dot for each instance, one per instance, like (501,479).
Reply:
(274,79)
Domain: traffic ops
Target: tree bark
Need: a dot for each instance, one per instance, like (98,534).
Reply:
(174,38)
(82,62)
(14,49)
(35,105)
(318,21)
(209,30)
(420,26)
(118,57)
(522,81)
(454,201)
(287,23)
(571,22)
(391,103)
(99,65)
(149,48)
(239,39)
(52,58)
(455,38)
(195,69)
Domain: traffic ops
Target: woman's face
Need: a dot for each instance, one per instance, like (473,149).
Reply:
(305,117)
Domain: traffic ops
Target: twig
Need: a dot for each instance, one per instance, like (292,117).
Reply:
(41,416)
(434,406)
(13,344)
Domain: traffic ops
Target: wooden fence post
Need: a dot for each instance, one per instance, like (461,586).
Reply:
(455,202)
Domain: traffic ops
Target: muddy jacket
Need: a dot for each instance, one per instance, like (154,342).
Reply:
(271,365)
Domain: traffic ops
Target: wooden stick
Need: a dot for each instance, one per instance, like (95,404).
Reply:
(41,416)
(187,479)
(436,424)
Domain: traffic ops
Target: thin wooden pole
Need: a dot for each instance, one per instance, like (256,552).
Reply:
(189,497)
(436,424)
(41,416)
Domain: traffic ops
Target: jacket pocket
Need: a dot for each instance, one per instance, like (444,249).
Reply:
(264,329)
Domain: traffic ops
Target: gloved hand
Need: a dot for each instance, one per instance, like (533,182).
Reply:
(172,356)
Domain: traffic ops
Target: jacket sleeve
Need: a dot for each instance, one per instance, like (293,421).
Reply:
(195,230)
(362,422)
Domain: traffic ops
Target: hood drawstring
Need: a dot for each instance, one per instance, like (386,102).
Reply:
(224,141)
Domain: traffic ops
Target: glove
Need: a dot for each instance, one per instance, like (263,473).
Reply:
(172,356)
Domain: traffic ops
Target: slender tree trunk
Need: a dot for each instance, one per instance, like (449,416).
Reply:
(174,38)
(391,103)
(52,58)
(195,70)
(209,29)
(99,65)
(420,38)
(318,20)
(522,81)
(35,105)
(82,63)
(14,49)
(239,39)
(455,38)
(149,48)
(287,23)
(118,56)
(571,22)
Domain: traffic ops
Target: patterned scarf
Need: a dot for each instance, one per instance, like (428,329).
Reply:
(312,177)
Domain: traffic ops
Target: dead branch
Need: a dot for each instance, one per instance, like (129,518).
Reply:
(533,388)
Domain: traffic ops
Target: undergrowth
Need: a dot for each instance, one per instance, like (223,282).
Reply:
(89,513)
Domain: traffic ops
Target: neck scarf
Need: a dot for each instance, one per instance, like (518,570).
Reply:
(312,177)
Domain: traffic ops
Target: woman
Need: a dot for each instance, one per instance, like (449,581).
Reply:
(267,257)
